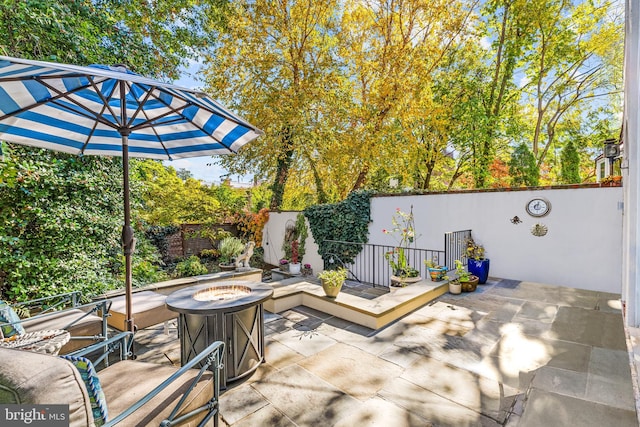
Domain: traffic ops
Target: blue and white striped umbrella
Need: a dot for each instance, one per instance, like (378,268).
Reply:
(80,110)
(110,111)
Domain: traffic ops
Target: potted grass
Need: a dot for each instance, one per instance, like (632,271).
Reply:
(229,248)
(477,263)
(332,281)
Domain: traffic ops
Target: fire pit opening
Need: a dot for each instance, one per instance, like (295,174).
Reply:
(221,293)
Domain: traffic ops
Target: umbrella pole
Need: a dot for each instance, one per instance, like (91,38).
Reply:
(128,241)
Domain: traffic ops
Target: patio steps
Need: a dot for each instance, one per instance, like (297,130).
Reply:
(372,313)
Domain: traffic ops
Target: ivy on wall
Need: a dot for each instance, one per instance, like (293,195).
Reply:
(345,221)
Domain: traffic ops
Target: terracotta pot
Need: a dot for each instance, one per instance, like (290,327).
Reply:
(471,285)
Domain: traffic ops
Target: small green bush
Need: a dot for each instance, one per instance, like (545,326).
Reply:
(190,267)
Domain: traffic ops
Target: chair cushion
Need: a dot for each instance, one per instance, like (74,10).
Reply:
(88,326)
(94,389)
(28,377)
(8,314)
(126,382)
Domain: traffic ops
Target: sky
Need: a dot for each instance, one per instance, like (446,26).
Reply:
(202,168)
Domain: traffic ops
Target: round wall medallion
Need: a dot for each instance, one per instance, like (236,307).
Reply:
(539,230)
(538,207)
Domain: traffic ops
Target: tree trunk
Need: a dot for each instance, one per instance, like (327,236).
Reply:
(362,178)
(282,171)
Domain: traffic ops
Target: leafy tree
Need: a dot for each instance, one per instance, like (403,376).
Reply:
(152,38)
(571,64)
(61,214)
(523,168)
(275,65)
(60,223)
(570,164)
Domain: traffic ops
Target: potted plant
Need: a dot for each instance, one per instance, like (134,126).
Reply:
(436,271)
(455,287)
(468,281)
(229,248)
(477,263)
(404,232)
(306,270)
(332,281)
(283,264)
(294,265)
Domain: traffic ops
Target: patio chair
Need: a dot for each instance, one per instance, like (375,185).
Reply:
(136,393)
(87,323)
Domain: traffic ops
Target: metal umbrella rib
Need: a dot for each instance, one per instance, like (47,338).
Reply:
(101,110)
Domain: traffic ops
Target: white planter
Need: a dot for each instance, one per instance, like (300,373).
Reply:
(455,287)
(294,268)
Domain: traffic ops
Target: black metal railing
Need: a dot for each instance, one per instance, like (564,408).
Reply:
(455,245)
(370,265)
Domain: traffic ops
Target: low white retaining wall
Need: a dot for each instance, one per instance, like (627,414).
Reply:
(582,248)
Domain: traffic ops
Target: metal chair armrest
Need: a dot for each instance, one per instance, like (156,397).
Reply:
(121,342)
(211,357)
(95,307)
(74,298)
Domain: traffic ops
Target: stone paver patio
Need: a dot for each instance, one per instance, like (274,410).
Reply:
(512,353)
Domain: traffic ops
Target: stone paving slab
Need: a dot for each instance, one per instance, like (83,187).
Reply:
(241,402)
(590,327)
(608,370)
(266,416)
(538,311)
(352,370)
(561,381)
(377,412)
(280,355)
(400,356)
(549,409)
(477,393)
(305,398)
(529,352)
(306,343)
(436,409)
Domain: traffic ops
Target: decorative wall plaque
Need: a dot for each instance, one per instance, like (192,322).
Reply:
(539,230)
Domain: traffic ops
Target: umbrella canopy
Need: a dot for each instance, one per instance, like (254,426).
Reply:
(110,111)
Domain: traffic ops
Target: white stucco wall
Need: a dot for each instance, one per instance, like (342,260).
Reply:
(582,248)
(273,236)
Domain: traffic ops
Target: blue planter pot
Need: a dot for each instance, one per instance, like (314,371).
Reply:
(479,268)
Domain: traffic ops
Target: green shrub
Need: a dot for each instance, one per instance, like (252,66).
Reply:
(190,267)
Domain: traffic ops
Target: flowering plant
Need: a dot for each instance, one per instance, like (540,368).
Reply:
(474,251)
(404,232)
(294,252)
(284,261)
(307,266)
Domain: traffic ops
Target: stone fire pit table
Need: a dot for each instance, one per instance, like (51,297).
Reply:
(227,311)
